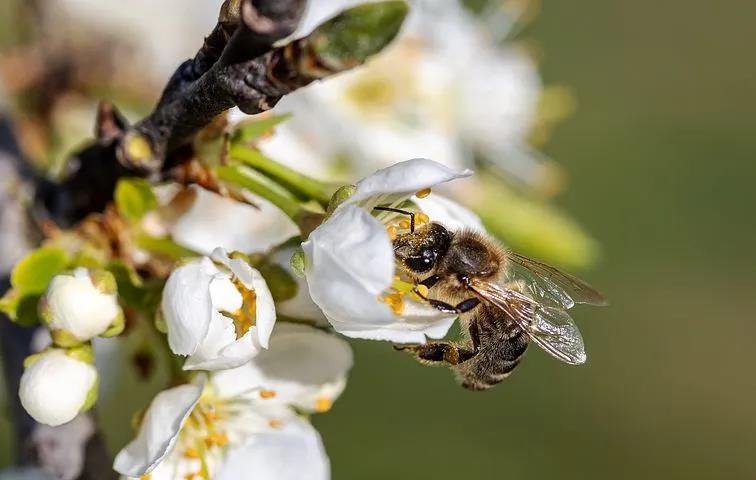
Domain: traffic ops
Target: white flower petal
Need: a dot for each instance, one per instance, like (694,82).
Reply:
(160,428)
(265,308)
(449,213)
(350,263)
(301,307)
(304,366)
(400,181)
(75,305)
(215,221)
(55,387)
(220,349)
(294,452)
(187,305)
(224,295)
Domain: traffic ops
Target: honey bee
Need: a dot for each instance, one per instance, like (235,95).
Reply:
(504,300)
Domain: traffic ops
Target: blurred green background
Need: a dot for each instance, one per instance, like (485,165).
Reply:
(661,158)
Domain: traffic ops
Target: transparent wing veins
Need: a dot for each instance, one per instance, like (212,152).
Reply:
(553,285)
(551,328)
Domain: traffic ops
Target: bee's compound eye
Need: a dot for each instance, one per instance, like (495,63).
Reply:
(421,263)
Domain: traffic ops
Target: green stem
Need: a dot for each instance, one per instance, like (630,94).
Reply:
(301,184)
(307,217)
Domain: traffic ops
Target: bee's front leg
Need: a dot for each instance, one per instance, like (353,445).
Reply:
(450,353)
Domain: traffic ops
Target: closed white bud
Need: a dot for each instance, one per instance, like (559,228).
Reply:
(81,305)
(57,385)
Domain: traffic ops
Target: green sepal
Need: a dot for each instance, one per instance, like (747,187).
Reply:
(64,338)
(160,324)
(117,326)
(82,352)
(340,196)
(134,198)
(104,281)
(29,361)
(92,395)
(298,262)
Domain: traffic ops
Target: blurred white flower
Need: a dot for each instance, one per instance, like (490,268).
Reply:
(240,423)
(301,306)
(304,367)
(408,102)
(350,265)
(219,312)
(199,220)
(81,305)
(56,386)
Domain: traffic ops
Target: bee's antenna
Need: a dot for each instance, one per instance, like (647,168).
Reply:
(403,212)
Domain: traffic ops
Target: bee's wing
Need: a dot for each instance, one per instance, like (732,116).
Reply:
(553,285)
(551,328)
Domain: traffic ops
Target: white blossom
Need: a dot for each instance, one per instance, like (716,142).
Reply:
(55,387)
(304,367)
(219,312)
(408,102)
(199,220)
(350,264)
(82,304)
(240,423)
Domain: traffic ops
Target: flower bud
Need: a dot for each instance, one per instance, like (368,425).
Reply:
(81,305)
(58,384)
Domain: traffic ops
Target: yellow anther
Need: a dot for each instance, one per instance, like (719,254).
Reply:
(422,290)
(146,477)
(323,404)
(405,224)
(267,394)
(244,318)
(217,439)
(275,424)
(395,301)
(392,232)
(421,219)
(191,452)
(423,193)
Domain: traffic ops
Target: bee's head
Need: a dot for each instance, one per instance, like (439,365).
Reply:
(419,251)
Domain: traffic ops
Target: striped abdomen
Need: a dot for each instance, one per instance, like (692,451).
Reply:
(502,345)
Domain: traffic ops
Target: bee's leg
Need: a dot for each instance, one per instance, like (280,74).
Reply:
(462,307)
(430,281)
(450,353)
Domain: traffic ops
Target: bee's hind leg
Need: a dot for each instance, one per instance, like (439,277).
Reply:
(437,352)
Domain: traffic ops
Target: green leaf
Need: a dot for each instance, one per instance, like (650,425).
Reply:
(133,291)
(252,130)
(355,34)
(134,198)
(35,271)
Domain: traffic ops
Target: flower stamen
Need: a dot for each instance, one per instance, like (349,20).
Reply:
(323,404)
(423,193)
(267,394)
